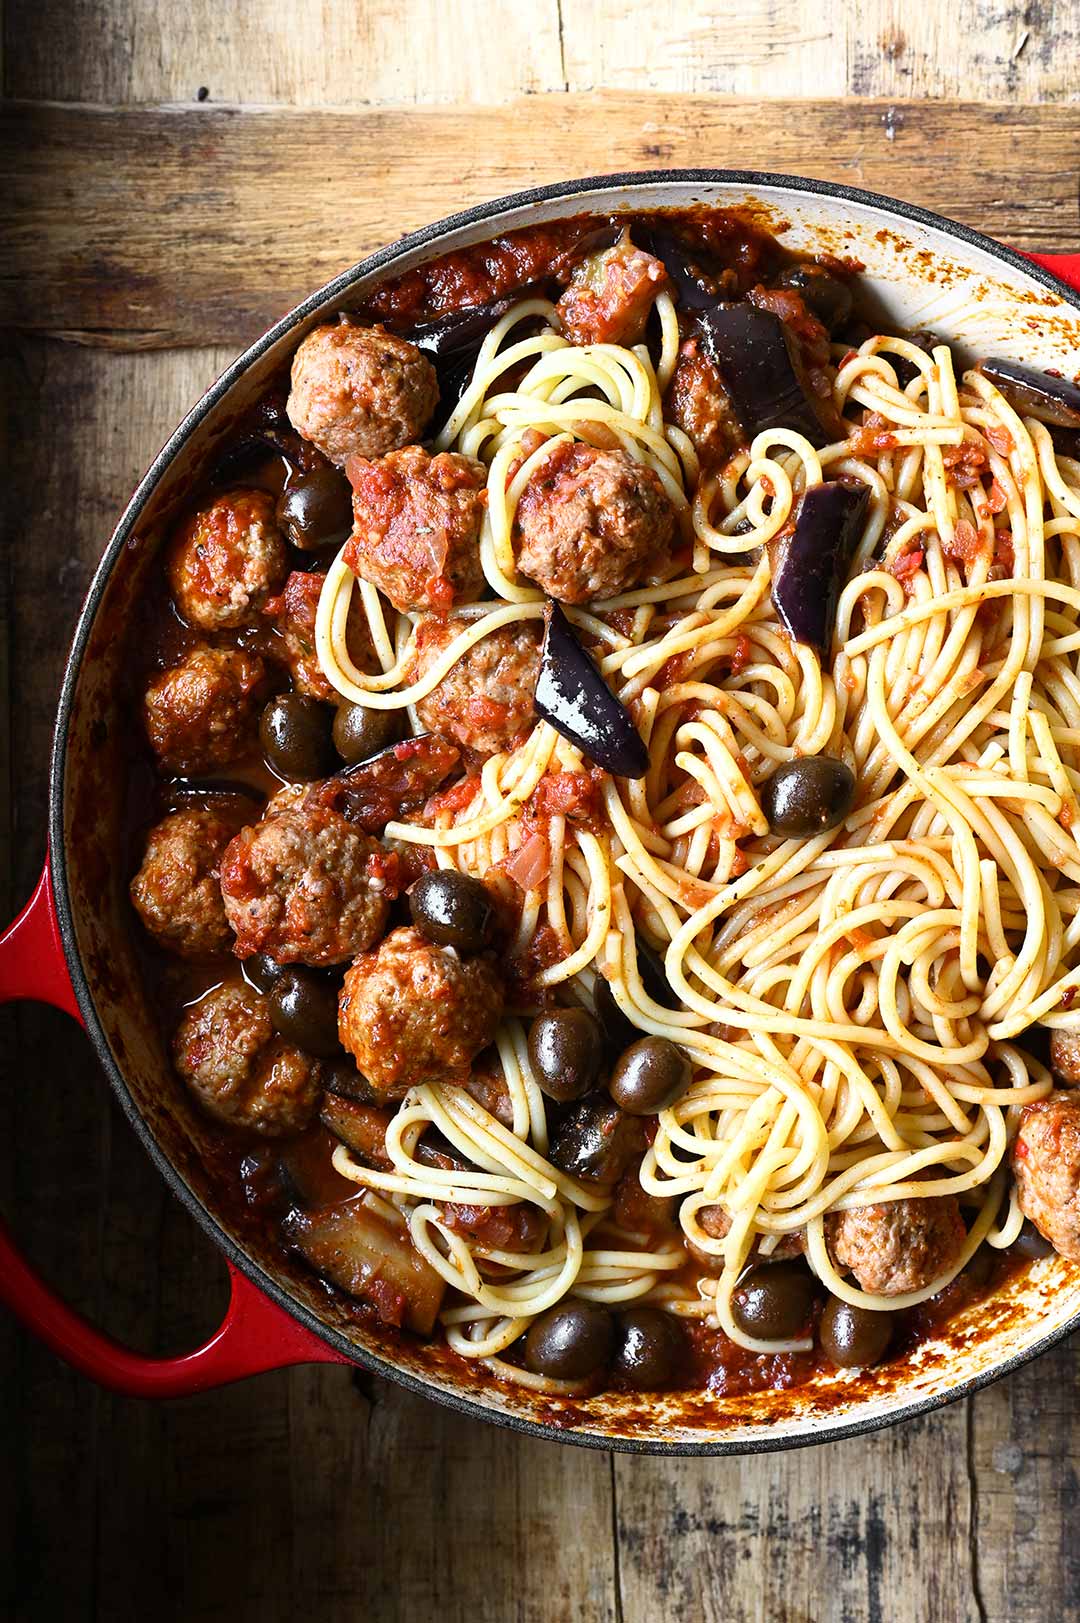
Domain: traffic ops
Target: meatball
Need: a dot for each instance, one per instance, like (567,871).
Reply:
(592,523)
(1046,1164)
(900,1246)
(360,391)
(305,887)
(294,614)
(411,1012)
(226,561)
(202,712)
(1065,1057)
(176,891)
(610,295)
(698,404)
(486,700)
(416,529)
(241,1073)
(487,1085)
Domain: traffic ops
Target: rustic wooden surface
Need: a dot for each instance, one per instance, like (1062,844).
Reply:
(175,175)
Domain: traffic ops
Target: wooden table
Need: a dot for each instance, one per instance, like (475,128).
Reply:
(181,173)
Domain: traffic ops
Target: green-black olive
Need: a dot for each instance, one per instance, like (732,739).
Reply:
(359,731)
(566,1047)
(649,1349)
(808,796)
(303,1010)
(315,508)
(853,1337)
(570,1341)
(261,971)
(453,910)
(649,1076)
(1030,1243)
(824,295)
(295,735)
(773,1301)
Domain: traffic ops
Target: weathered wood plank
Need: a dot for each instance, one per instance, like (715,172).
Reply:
(237,235)
(339,53)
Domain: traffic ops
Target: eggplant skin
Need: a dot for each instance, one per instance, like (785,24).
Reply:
(809,570)
(573,696)
(750,349)
(354,1248)
(1032,393)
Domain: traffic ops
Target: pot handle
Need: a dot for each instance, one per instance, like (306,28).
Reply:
(1064,266)
(255,1334)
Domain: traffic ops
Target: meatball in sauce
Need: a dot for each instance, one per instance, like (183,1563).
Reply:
(360,391)
(485,701)
(416,532)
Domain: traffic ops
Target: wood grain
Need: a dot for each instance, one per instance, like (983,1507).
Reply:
(338,53)
(237,235)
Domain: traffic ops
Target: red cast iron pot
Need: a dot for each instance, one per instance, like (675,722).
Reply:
(74,945)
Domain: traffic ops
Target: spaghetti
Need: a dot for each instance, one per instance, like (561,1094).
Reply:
(851,1002)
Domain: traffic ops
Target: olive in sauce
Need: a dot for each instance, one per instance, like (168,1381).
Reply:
(261,971)
(571,1341)
(1030,1243)
(808,796)
(650,1348)
(295,735)
(824,295)
(566,1049)
(359,731)
(453,910)
(650,1076)
(773,1301)
(315,508)
(853,1337)
(303,1010)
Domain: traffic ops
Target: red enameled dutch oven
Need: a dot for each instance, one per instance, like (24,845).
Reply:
(74,946)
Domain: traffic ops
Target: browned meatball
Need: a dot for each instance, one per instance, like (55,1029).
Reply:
(900,1246)
(227,560)
(416,527)
(242,1073)
(592,523)
(201,713)
(294,614)
(698,404)
(610,295)
(1046,1164)
(411,1012)
(486,700)
(305,887)
(1065,1057)
(717,1224)
(360,391)
(176,891)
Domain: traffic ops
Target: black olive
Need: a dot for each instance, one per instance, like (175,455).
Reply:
(566,1048)
(295,735)
(452,910)
(596,1141)
(315,508)
(853,1337)
(359,732)
(650,1348)
(808,796)
(824,295)
(649,1076)
(570,1341)
(1030,1243)
(303,1009)
(261,971)
(772,1302)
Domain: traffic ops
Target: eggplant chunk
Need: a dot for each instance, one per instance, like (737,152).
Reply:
(353,1247)
(758,365)
(597,1141)
(360,1127)
(396,780)
(1032,393)
(573,696)
(810,568)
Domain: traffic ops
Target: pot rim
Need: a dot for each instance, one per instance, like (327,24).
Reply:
(382,259)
